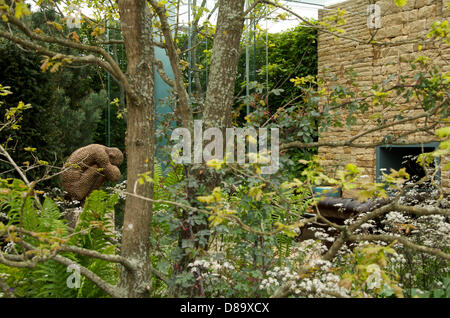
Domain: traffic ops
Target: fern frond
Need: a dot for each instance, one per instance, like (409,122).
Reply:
(49,280)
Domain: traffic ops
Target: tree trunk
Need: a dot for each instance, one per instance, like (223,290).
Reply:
(138,38)
(220,92)
(224,60)
(219,101)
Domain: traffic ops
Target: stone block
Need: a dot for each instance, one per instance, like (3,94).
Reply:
(418,26)
(420,3)
(390,31)
(427,12)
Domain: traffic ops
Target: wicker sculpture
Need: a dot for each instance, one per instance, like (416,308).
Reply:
(88,168)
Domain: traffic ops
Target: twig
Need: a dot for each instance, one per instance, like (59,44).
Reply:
(402,240)
(103,285)
(29,184)
(94,254)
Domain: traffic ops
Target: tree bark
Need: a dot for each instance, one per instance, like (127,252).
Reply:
(220,91)
(136,26)
(224,60)
(219,101)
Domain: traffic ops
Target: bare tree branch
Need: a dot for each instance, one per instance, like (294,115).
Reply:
(252,7)
(162,73)
(21,173)
(78,250)
(89,59)
(323,29)
(183,108)
(18,264)
(110,65)
(394,206)
(402,240)
(103,285)
(94,254)
(16,167)
(396,141)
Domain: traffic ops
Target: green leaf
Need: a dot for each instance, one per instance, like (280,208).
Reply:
(443,132)
(438,293)
(21,9)
(400,3)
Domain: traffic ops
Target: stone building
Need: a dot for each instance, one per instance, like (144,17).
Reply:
(403,32)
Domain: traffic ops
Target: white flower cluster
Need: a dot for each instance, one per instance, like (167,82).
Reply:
(310,249)
(428,230)
(395,217)
(322,284)
(215,275)
(119,188)
(67,203)
(325,285)
(398,258)
(211,264)
(321,233)
(371,224)
(320,263)
(276,276)
(323,236)
(207,269)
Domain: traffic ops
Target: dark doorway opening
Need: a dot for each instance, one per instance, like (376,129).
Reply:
(397,157)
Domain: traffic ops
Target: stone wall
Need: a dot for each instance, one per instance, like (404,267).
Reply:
(374,64)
